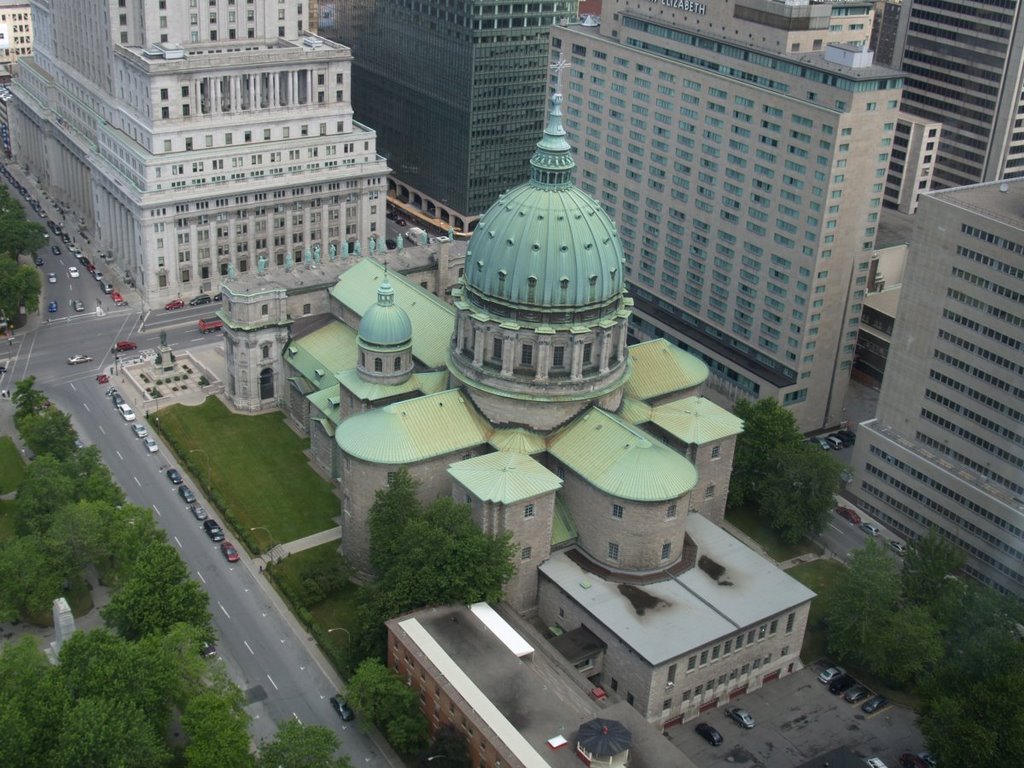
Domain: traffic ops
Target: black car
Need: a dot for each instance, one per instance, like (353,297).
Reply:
(174,476)
(709,733)
(848,437)
(55,250)
(208,650)
(874,704)
(342,708)
(186,494)
(841,684)
(202,298)
(39,261)
(213,530)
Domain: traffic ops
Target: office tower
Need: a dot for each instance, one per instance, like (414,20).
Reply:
(196,140)
(885,30)
(455,91)
(15,32)
(946,448)
(746,180)
(963,66)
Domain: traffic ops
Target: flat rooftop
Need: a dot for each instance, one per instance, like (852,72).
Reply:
(689,610)
(528,699)
(1002,200)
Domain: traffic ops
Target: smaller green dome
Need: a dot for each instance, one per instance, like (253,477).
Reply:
(385,324)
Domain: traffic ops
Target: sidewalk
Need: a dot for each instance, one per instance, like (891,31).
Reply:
(307,542)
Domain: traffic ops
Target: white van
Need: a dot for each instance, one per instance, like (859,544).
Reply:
(126,412)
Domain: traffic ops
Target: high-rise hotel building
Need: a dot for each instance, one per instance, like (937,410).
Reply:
(197,138)
(742,150)
(946,448)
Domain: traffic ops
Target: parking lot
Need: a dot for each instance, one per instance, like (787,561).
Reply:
(797,719)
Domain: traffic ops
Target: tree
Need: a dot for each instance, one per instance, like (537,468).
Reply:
(32,575)
(45,488)
(449,744)
(797,499)
(103,731)
(27,399)
(301,746)
(908,646)
(18,235)
(383,699)
(767,427)
(927,566)
(157,595)
(218,730)
(32,705)
(77,530)
(19,287)
(392,509)
(861,604)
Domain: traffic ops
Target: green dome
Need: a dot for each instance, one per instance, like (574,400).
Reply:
(385,324)
(545,244)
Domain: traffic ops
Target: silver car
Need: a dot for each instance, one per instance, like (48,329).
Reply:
(741,716)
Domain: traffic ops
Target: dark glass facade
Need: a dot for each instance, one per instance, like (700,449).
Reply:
(454,88)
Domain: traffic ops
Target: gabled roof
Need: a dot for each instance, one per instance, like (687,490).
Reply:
(432,319)
(504,478)
(414,430)
(620,459)
(426,383)
(326,401)
(518,440)
(696,420)
(318,355)
(660,368)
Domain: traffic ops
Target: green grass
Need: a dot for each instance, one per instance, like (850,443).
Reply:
(819,576)
(257,469)
(748,521)
(12,467)
(7,509)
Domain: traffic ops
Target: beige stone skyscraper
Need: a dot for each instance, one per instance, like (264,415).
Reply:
(946,448)
(742,150)
(195,138)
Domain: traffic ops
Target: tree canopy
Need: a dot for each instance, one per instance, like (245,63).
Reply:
(18,235)
(301,746)
(382,698)
(20,285)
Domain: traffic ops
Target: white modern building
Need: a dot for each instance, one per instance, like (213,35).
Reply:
(196,140)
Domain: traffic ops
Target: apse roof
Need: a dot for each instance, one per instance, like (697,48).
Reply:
(504,477)
(660,367)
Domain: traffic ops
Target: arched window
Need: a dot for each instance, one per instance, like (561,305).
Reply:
(398,363)
(266,384)
(378,364)
(362,359)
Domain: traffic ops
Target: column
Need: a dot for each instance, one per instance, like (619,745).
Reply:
(508,351)
(606,349)
(543,356)
(217,104)
(577,359)
(478,346)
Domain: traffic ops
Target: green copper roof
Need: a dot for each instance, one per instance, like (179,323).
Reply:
(518,440)
(433,319)
(414,430)
(425,383)
(385,324)
(504,478)
(319,354)
(634,411)
(563,528)
(327,401)
(620,459)
(546,244)
(696,420)
(660,367)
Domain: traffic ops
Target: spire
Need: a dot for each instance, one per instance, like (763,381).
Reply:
(552,164)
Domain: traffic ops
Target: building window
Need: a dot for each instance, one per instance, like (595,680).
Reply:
(498,348)
(716,452)
(666,550)
(703,657)
(391,478)
(613,550)
(671,511)
(789,622)
(773,627)
(528,511)
(672,674)
(527,354)
(709,492)
(558,359)
(761,631)
(715,652)
(691,663)
(617,511)
(378,364)
(264,309)
(527,553)
(588,350)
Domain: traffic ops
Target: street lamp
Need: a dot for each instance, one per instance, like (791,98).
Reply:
(341,629)
(263,528)
(209,474)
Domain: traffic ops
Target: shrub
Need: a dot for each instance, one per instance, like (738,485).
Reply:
(203,381)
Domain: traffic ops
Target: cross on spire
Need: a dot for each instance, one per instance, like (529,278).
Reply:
(557,67)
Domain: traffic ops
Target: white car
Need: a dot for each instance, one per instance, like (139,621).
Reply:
(870,529)
(52,277)
(78,359)
(72,271)
(140,430)
(151,445)
(830,674)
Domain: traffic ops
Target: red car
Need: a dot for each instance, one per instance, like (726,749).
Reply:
(118,299)
(176,304)
(125,346)
(230,553)
(848,514)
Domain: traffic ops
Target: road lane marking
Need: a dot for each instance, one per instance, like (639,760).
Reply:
(178,543)
(156,510)
(86,405)
(293,714)
(136,481)
(248,647)
(273,683)
(200,577)
(834,528)
(102,429)
(119,455)
(224,610)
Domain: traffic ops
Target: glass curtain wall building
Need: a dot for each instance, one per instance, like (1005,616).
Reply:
(456,91)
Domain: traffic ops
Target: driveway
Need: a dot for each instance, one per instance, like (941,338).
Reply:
(797,719)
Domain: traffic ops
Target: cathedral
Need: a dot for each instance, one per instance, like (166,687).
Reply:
(499,372)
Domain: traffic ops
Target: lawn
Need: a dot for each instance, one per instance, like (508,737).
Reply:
(748,521)
(819,576)
(12,467)
(258,473)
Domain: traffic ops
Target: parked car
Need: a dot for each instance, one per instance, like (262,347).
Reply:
(849,514)
(126,412)
(857,693)
(174,304)
(741,716)
(841,684)
(870,529)
(848,437)
(79,359)
(174,476)
(150,444)
(342,708)
(52,306)
(830,674)
(140,430)
(834,443)
(709,733)
(929,760)
(875,762)
(125,346)
(898,547)
(213,530)
(229,552)
(910,760)
(874,704)
(39,261)
(202,298)
(208,650)
(822,443)
(198,511)
(186,494)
